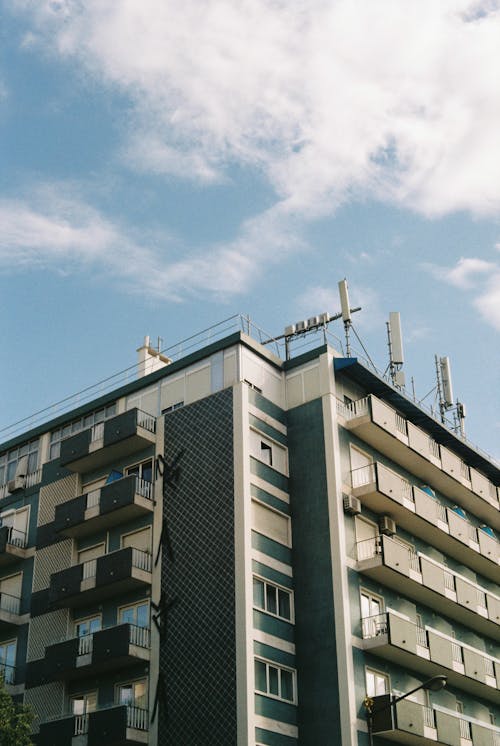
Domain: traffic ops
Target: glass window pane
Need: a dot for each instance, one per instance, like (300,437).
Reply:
(258,593)
(273,680)
(95,625)
(78,705)
(127,616)
(260,676)
(284,604)
(142,619)
(126,694)
(287,685)
(140,693)
(147,471)
(82,628)
(271,605)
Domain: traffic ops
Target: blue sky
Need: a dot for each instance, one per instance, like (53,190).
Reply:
(165,165)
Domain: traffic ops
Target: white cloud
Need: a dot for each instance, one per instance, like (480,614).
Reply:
(479,276)
(51,229)
(397,100)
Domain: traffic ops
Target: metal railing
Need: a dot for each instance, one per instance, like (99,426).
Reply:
(464,471)
(85,644)
(89,569)
(141,559)
(465,729)
(355,408)
(137,717)
(144,488)
(434,448)
(449,581)
(373,626)
(429,717)
(81,724)
(11,604)
(93,498)
(146,421)
(7,673)
(30,479)
(414,560)
(489,668)
(457,652)
(17,538)
(363,475)
(139,636)
(368,548)
(401,424)
(422,637)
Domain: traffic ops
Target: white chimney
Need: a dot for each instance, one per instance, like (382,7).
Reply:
(149,359)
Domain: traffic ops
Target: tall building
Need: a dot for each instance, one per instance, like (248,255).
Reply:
(237,549)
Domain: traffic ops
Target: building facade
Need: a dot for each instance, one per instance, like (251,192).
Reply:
(238,549)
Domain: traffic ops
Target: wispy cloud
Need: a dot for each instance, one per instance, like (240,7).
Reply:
(51,230)
(481,278)
(307,92)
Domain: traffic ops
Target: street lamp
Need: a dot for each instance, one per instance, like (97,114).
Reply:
(435,684)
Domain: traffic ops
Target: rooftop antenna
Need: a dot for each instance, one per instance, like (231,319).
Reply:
(346,313)
(445,395)
(395,344)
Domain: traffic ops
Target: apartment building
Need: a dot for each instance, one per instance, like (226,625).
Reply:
(237,548)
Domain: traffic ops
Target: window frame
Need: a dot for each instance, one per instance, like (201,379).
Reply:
(382,674)
(137,531)
(278,587)
(90,618)
(132,682)
(84,695)
(134,605)
(279,667)
(140,464)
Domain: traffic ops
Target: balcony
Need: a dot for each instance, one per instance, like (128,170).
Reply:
(112,574)
(409,722)
(109,649)
(385,429)
(117,502)
(11,613)
(424,580)
(427,651)
(115,725)
(29,480)
(384,491)
(101,444)
(12,545)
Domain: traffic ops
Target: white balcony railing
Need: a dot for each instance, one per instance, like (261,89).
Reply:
(429,717)
(141,559)
(465,730)
(93,498)
(422,637)
(363,476)
(144,488)
(139,636)
(17,538)
(373,626)
(456,652)
(368,548)
(137,717)
(89,569)
(85,644)
(9,603)
(97,432)
(81,724)
(147,421)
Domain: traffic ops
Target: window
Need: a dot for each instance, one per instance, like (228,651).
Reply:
(83,703)
(82,423)
(133,693)
(8,661)
(272,599)
(266,453)
(271,523)
(173,407)
(87,626)
(10,460)
(376,682)
(138,539)
(274,681)
(372,617)
(137,614)
(17,522)
(143,470)
(361,468)
(10,593)
(84,555)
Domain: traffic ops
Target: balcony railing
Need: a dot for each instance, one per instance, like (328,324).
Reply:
(97,432)
(89,569)
(422,637)
(81,724)
(141,560)
(7,673)
(137,717)
(11,604)
(139,636)
(373,626)
(33,478)
(465,730)
(17,538)
(429,717)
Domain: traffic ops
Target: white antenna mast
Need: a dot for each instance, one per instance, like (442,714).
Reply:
(395,344)
(445,394)
(346,313)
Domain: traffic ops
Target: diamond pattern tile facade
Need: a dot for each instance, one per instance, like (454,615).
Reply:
(197,650)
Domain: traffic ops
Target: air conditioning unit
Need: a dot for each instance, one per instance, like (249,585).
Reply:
(16,484)
(352,505)
(387,526)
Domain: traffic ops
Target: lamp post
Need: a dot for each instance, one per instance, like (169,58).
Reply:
(435,684)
